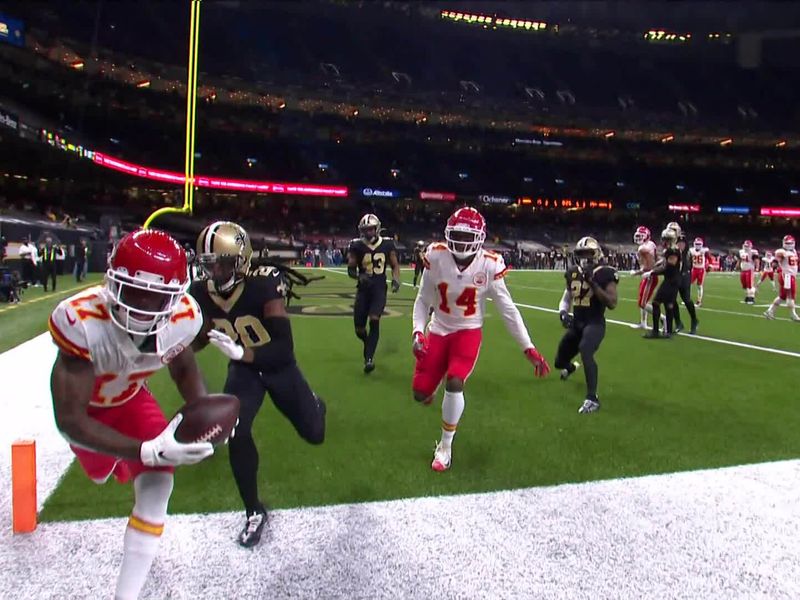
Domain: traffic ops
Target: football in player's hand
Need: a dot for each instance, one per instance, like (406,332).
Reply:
(208,419)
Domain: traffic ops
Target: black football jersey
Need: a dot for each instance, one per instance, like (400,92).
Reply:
(241,314)
(585,305)
(672,273)
(372,259)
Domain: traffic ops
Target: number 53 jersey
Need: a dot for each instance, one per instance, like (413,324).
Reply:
(458,297)
(81,327)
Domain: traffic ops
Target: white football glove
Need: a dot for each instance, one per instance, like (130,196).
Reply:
(226,345)
(647,274)
(165,451)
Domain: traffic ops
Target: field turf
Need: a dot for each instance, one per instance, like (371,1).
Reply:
(668,405)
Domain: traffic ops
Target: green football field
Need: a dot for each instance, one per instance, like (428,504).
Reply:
(668,405)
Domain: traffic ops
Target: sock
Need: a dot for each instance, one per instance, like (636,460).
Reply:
(243,456)
(673,316)
(590,372)
(643,315)
(699,293)
(452,407)
(362,335)
(152,490)
(656,318)
(690,309)
(372,339)
(790,304)
(670,318)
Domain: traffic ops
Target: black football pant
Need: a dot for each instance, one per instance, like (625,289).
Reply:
(49,273)
(418,268)
(291,395)
(667,294)
(370,302)
(685,292)
(583,338)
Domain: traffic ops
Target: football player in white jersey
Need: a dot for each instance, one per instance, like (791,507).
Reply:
(699,255)
(746,261)
(459,277)
(768,270)
(111,338)
(787,261)
(647,255)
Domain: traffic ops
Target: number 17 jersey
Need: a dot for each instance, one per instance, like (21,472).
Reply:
(458,296)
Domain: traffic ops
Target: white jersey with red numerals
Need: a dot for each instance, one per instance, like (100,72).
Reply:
(747,259)
(81,326)
(699,258)
(647,249)
(787,261)
(458,296)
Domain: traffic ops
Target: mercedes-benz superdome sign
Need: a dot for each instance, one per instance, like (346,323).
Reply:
(489,199)
(376,193)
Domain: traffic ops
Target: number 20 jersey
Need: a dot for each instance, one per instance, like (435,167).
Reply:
(240,315)
(81,327)
(459,296)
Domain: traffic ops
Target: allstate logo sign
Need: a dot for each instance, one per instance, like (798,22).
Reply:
(370,192)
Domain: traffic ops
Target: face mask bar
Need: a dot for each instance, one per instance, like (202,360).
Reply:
(464,248)
(121,312)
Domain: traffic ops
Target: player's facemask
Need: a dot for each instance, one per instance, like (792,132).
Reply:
(142,305)
(369,234)
(585,258)
(224,271)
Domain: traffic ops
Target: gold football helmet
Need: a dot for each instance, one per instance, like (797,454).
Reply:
(675,226)
(669,237)
(224,253)
(587,252)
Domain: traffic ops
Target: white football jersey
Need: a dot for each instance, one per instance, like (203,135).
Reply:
(747,259)
(647,249)
(699,257)
(787,259)
(81,326)
(766,264)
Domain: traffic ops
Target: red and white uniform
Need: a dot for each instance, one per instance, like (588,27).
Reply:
(458,298)
(699,259)
(787,263)
(81,327)
(767,269)
(647,259)
(747,258)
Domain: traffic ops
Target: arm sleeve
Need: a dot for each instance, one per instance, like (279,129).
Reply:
(69,332)
(566,301)
(423,302)
(508,310)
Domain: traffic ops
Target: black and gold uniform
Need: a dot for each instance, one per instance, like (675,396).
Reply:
(418,259)
(368,259)
(667,293)
(586,281)
(247,304)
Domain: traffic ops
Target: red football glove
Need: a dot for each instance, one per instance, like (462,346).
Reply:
(539,362)
(418,347)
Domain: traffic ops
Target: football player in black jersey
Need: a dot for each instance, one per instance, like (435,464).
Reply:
(245,317)
(367,258)
(419,262)
(685,287)
(591,288)
(667,293)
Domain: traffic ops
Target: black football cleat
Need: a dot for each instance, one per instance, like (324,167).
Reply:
(652,335)
(679,328)
(253,527)
(693,330)
(369,366)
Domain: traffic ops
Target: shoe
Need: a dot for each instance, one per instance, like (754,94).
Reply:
(565,373)
(253,527)
(769,315)
(795,318)
(639,326)
(698,304)
(441,457)
(652,335)
(369,366)
(678,327)
(693,330)
(589,406)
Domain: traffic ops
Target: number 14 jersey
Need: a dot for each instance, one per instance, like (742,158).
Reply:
(458,297)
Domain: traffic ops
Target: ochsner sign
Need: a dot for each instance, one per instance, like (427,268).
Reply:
(489,199)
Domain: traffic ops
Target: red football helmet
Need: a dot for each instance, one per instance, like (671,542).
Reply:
(146,277)
(642,235)
(698,243)
(465,232)
(747,245)
(788,242)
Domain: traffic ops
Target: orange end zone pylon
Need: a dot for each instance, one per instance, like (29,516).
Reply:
(23,485)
